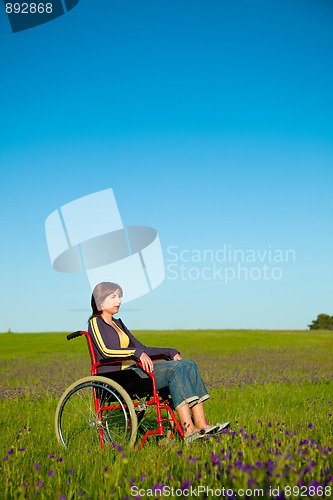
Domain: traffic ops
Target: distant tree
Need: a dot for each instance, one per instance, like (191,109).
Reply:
(323,322)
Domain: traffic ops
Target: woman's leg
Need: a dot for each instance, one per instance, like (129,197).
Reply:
(187,390)
(173,374)
(196,379)
(184,415)
(199,416)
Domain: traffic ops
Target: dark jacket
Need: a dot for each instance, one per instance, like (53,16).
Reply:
(106,344)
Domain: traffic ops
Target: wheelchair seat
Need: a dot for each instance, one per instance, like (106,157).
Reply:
(137,387)
(131,381)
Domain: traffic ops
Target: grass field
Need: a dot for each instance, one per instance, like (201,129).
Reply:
(274,387)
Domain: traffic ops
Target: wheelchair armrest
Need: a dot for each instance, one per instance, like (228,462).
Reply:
(134,358)
(160,356)
(116,359)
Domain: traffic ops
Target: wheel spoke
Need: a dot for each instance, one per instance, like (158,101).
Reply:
(77,422)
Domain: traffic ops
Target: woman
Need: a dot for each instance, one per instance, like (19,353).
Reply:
(111,338)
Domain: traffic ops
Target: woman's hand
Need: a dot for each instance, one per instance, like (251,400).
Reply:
(147,363)
(177,357)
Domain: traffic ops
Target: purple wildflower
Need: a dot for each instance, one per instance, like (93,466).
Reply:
(215,459)
(37,466)
(50,473)
(314,483)
(39,484)
(185,484)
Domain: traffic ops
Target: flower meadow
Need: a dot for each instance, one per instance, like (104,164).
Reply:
(275,388)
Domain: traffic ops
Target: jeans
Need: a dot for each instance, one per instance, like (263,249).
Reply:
(183,379)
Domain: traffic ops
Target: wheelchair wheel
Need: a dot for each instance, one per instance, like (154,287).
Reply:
(79,425)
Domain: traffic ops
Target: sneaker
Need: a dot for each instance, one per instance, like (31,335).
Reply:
(225,425)
(192,437)
(212,429)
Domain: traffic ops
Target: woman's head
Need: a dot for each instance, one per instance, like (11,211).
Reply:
(100,293)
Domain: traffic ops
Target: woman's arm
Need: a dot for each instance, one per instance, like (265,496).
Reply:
(107,342)
(151,351)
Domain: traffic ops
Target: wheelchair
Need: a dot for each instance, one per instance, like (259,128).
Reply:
(117,408)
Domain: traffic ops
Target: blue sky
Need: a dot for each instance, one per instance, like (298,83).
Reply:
(211,121)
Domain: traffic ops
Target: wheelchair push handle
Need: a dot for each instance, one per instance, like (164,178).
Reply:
(73,335)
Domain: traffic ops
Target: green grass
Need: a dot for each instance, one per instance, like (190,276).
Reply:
(275,386)
(215,341)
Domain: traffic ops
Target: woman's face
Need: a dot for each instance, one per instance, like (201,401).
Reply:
(112,303)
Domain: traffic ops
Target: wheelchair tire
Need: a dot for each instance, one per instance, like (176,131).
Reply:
(77,424)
